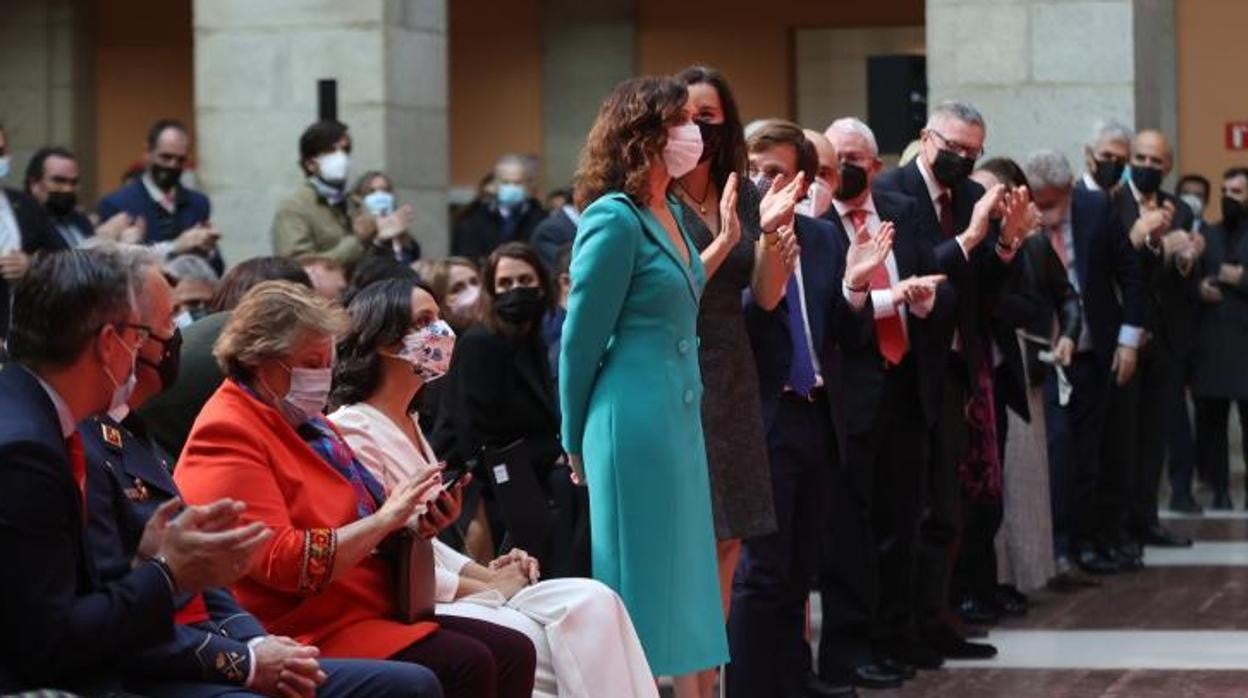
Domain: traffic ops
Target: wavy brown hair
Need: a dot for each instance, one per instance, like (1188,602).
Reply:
(630,131)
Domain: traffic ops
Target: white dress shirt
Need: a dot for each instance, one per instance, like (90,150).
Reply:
(10,234)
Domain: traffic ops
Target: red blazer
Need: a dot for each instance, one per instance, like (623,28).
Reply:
(244,449)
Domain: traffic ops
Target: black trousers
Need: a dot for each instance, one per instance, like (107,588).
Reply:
(1181,451)
(767,620)
(940,528)
(885,465)
(1212,414)
(1074,438)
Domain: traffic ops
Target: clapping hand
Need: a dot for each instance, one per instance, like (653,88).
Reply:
(1016,217)
(916,289)
(199,238)
(1209,291)
(981,216)
(395,224)
(204,546)
(729,223)
(1153,223)
(13,265)
(787,246)
(866,252)
(1231,274)
(779,202)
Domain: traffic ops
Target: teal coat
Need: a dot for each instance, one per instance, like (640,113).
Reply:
(631,396)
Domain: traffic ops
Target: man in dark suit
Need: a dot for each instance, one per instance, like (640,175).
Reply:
(217,647)
(24,230)
(555,233)
(886,427)
(1144,408)
(794,346)
(177,220)
(1103,267)
(506,211)
(52,180)
(72,354)
(953,217)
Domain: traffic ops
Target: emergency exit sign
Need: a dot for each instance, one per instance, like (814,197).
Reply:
(1237,135)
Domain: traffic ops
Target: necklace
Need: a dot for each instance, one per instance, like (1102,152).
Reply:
(701,203)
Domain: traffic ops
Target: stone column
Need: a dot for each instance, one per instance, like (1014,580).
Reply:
(588,47)
(1042,71)
(256,72)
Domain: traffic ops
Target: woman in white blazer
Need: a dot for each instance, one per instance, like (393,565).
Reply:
(585,641)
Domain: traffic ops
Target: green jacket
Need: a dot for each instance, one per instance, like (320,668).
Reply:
(305,225)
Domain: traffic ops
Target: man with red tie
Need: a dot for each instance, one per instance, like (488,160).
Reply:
(890,387)
(72,354)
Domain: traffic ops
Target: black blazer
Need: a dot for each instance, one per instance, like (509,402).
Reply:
(479,230)
(61,626)
(128,478)
(1038,289)
(1223,347)
(862,374)
(73,219)
(978,279)
(499,389)
(1108,269)
(552,235)
(37,236)
(1171,300)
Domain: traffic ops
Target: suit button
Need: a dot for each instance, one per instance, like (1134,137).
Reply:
(688,397)
(683,347)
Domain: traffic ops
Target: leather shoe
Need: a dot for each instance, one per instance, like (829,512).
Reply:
(876,676)
(1222,501)
(953,647)
(975,611)
(1162,537)
(1128,556)
(1093,562)
(918,656)
(1185,503)
(906,670)
(1010,602)
(818,688)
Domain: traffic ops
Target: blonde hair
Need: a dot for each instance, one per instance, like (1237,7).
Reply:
(272,320)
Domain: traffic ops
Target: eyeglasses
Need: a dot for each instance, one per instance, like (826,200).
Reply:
(959,149)
(147,332)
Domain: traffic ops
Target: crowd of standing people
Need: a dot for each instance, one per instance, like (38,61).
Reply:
(617,435)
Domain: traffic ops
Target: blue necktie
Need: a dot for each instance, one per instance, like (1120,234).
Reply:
(802,370)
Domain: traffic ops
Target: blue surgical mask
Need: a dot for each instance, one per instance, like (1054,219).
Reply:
(379,203)
(511,195)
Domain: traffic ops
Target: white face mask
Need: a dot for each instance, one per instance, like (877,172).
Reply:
(122,390)
(309,392)
(818,199)
(332,167)
(466,299)
(5,163)
(429,350)
(683,149)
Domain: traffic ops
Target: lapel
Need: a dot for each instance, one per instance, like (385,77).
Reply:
(1128,209)
(655,229)
(916,188)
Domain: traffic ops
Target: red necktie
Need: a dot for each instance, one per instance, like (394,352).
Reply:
(78,469)
(946,214)
(889,333)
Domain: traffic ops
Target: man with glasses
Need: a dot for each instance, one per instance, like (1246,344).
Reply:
(953,216)
(176,219)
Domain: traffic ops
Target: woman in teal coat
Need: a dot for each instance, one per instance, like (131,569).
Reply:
(630,388)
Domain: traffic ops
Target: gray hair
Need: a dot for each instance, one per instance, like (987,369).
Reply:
(850,124)
(1109,129)
(192,267)
(135,261)
(526,163)
(953,109)
(1048,169)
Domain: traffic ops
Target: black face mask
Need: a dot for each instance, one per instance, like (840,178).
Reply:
(520,305)
(951,169)
(712,139)
(1232,213)
(1108,173)
(170,360)
(166,177)
(61,203)
(853,182)
(1146,179)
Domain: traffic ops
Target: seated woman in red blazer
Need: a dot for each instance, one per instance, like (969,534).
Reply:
(262,438)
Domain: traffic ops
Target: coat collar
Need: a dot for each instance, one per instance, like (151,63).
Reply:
(652,227)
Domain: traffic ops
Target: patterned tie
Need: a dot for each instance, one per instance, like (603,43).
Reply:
(802,370)
(78,468)
(889,333)
(946,214)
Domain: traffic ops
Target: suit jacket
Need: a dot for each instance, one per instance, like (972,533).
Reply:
(37,236)
(1108,270)
(74,219)
(306,225)
(191,208)
(977,278)
(244,449)
(479,230)
(832,322)
(1171,300)
(170,415)
(1219,357)
(501,390)
(1038,289)
(552,235)
(863,373)
(61,625)
(129,477)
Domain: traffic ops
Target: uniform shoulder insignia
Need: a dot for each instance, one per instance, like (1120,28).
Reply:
(112,435)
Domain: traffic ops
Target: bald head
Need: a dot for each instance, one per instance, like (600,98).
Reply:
(1151,148)
(827,154)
